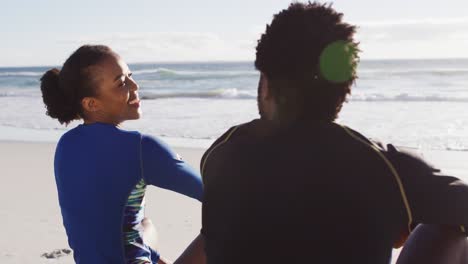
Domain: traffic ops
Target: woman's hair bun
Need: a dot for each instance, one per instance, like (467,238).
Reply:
(57,104)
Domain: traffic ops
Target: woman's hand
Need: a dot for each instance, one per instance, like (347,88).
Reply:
(163,261)
(150,238)
(150,235)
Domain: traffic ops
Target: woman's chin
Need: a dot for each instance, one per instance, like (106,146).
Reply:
(136,116)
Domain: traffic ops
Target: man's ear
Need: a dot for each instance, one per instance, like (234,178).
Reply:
(264,87)
(90,104)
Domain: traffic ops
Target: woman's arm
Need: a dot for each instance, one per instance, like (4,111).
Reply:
(164,168)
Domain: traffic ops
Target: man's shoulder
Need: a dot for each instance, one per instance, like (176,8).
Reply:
(247,133)
(409,161)
(250,130)
(400,156)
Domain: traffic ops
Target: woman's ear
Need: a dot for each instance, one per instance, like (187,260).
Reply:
(90,104)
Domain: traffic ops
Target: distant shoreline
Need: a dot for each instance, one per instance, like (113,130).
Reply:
(435,59)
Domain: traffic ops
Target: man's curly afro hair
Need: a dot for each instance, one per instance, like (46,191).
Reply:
(302,47)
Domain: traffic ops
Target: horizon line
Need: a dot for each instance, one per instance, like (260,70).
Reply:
(237,61)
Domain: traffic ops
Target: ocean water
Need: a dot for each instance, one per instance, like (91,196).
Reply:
(413,103)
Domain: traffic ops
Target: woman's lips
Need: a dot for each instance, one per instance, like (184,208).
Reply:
(135,102)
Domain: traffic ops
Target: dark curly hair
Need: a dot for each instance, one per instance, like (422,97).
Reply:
(291,54)
(63,90)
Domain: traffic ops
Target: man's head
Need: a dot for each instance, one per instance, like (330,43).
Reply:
(307,58)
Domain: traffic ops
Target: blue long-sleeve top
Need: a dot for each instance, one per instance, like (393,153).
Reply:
(101,173)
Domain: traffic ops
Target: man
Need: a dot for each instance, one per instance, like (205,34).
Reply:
(294,186)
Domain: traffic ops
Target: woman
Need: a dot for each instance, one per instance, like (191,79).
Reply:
(101,170)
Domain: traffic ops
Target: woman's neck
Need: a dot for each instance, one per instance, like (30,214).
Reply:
(93,121)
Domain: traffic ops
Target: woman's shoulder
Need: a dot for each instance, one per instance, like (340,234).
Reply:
(69,136)
(153,142)
(98,132)
(153,146)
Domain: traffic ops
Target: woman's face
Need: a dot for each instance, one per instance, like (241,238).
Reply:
(117,96)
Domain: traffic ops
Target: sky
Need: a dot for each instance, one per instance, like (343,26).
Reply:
(46,32)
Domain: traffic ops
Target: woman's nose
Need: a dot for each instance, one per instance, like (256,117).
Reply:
(134,85)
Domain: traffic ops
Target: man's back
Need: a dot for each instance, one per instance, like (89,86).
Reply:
(313,191)
(308,193)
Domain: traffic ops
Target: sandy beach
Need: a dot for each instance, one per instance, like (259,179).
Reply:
(30,216)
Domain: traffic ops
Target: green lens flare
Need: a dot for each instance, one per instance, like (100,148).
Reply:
(338,61)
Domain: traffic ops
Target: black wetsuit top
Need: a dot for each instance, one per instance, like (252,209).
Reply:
(317,193)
